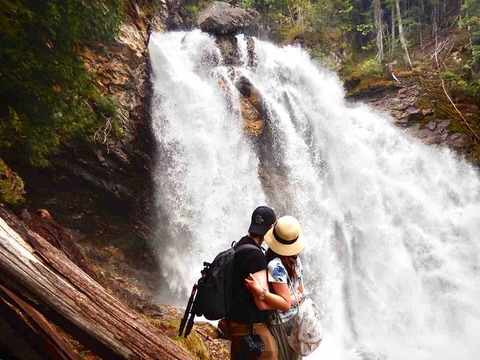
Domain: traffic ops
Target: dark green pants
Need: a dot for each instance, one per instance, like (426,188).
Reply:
(279,332)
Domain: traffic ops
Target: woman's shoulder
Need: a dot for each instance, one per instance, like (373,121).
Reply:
(277,271)
(274,263)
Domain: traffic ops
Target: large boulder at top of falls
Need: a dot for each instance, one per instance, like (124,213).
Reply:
(220,18)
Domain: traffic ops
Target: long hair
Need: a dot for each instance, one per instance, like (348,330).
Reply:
(288,261)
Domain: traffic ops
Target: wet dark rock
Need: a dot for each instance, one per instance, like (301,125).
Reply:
(412,129)
(414,114)
(228,48)
(177,16)
(352,83)
(244,86)
(438,126)
(298,40)
(436,132)
(431,125)
(457,141)
(221,18)
(429,136)
(442,126)
(175,22)
(25,215)
(373,93)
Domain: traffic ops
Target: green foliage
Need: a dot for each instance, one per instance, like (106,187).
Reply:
(471,18)
(193,8)
(364,29)
(312,20)
(246,4)
(11,186)
(454,80)
(473,87)
(471,21)
(105,107)
(372,68)
(45,91)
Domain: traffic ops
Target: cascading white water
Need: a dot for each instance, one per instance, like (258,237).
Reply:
(392,226)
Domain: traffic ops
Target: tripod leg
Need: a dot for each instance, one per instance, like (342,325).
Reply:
(189,325)
(187,310)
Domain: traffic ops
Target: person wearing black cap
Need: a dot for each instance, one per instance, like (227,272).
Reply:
(249,310)
(285,241)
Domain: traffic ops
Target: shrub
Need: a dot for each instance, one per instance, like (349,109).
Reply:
(371,68)
(12,189)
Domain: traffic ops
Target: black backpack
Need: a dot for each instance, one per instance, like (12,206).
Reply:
(212,296)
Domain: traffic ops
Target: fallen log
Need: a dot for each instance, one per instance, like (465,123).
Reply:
(42,276)
(26,334)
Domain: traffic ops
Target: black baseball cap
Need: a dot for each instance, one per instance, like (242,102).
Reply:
(262,218)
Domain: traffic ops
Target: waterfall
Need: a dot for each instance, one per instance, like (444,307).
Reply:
(392,226)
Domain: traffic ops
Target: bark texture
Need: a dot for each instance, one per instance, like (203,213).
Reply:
(377,25)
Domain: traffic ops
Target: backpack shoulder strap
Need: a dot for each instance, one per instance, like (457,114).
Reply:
(244,247)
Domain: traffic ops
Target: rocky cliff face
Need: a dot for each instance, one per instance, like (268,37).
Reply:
(411,110)
(101,189)
(418,102)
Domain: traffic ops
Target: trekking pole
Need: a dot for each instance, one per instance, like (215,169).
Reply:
(187,311)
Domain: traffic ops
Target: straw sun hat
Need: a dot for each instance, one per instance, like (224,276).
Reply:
(285,237)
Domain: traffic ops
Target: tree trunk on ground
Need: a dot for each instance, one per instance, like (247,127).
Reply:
(42,276)
(26,334)
(401,35)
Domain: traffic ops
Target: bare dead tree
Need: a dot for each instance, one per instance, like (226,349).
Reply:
(392,44)
(378,26)
(401,34)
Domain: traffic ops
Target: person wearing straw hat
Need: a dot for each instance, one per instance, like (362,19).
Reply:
(285,271)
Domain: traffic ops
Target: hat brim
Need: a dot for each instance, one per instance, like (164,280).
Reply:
(258,229)
(284,249)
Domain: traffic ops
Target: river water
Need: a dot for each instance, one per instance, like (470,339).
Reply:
(392,226)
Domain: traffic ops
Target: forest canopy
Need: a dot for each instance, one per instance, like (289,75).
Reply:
(374,32)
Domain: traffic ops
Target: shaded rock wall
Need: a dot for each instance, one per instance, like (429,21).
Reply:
(101,189)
